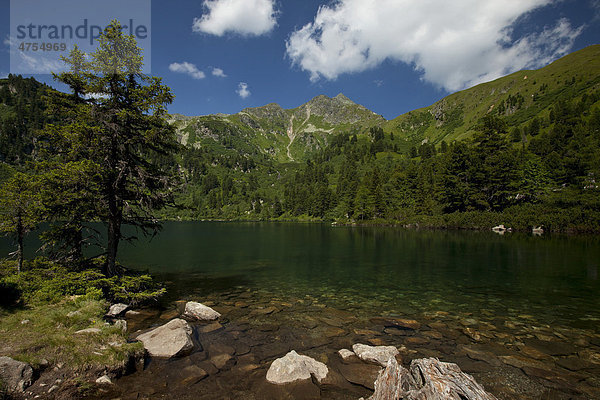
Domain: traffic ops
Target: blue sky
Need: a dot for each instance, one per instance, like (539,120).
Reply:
(392,56)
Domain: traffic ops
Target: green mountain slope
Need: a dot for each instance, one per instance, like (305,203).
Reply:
(283,135)
(518,98)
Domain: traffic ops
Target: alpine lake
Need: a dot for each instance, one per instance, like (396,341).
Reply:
(520,313)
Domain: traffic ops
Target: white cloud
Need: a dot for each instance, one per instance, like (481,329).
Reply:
(244,17)
(242,90)
(218,72)
(187,68)
(453,44)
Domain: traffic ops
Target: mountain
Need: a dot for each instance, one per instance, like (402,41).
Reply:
(284,135)
(297,134)
(517,98)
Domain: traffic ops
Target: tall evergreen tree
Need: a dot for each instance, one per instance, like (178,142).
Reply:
(128,136)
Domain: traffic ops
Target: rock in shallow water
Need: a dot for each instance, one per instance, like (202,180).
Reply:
(295,367)
(376,354)
(199,312)
(169,340)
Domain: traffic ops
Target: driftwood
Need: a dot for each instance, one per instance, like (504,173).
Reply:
(428,379)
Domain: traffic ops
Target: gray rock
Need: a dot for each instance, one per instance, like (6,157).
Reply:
(88,331)
(121,323)
(16,375)
(346,354)
(116,309)
(104,380)
(376,354)
(295,367)
(199,312)
(169,340)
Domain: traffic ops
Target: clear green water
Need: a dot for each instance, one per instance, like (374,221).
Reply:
(382,269)
(519,313)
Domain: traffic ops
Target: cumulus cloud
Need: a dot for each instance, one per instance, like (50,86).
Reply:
(187,68)
(453,44)
(243,17)
(218,72)
(242,90)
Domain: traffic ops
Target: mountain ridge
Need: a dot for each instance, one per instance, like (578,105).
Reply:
(297,133)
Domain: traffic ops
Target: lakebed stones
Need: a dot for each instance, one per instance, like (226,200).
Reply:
(360,373)
(399,323)
(200,312)
(16,375)
(169,340)
(376,354)
(294,367)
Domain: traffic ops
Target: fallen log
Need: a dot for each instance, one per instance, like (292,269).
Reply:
(428,379)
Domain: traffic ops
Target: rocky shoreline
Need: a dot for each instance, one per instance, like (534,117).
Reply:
(231,354)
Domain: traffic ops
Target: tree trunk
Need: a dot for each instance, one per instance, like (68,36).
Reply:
(428,379)
(20,235)
(114,235)
(78,243)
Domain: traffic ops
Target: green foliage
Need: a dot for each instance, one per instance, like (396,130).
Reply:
(117,145)
(44,282)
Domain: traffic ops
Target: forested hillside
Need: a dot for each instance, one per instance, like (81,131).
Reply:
(527,153)
(523,150)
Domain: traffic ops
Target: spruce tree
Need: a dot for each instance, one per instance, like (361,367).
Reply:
(123,135)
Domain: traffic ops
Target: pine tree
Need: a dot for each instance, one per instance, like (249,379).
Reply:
(21,209)
(127,137)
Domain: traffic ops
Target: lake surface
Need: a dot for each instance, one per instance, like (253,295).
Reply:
(519,313)
(383,269)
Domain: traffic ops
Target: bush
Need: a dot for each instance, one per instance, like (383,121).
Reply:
(43,281)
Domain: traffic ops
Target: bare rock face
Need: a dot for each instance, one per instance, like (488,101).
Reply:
(15,375)
(376,354)
(295,367)
(428,378)
(199,311)
(169,340)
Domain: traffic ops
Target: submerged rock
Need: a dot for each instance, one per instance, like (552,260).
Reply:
(199,311)
(169,340)
(360,373)
(15,375)
(376,354)
(295,367)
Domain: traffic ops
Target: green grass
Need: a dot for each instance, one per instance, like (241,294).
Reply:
(46,334)
(565,79)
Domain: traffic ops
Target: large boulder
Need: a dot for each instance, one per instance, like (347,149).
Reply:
(295,367)
(15,375)
(116,309)
(199,311)
(169,340)
(376,354)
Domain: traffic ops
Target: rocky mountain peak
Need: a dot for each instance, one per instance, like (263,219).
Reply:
(341,97)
